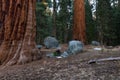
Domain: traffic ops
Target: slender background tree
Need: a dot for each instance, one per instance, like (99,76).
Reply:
(54,17)
(64,20)
(104,18)
(91,30)
(43,20)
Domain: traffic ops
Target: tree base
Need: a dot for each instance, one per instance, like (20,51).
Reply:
(17,54)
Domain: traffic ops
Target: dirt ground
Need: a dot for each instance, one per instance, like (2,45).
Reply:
(74,67)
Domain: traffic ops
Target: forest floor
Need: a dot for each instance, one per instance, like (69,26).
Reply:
(74,67)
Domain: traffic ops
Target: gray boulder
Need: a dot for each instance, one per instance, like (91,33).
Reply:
(39,46)
(51,42)
(75,47)
(95,43)
(65,54)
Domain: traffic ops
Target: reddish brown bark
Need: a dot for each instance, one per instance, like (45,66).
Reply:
(79,29)
(17,32)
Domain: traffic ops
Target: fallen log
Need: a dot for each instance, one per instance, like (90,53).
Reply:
(104,59)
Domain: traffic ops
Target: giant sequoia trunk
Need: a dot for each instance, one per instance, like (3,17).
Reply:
(17,31)
(79,29)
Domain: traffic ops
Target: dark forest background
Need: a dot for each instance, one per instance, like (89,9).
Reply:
(55,18)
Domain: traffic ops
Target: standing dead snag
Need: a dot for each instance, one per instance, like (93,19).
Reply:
(79,29)
(17,32)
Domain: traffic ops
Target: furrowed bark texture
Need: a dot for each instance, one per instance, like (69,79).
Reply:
(79,29)
(17,31)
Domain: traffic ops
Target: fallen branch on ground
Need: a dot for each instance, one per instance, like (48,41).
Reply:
(104,59)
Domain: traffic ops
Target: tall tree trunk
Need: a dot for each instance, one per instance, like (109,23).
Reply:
(17,31)
(38,0)
(103,19)
(54,18)
(119,3)
(79,29)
